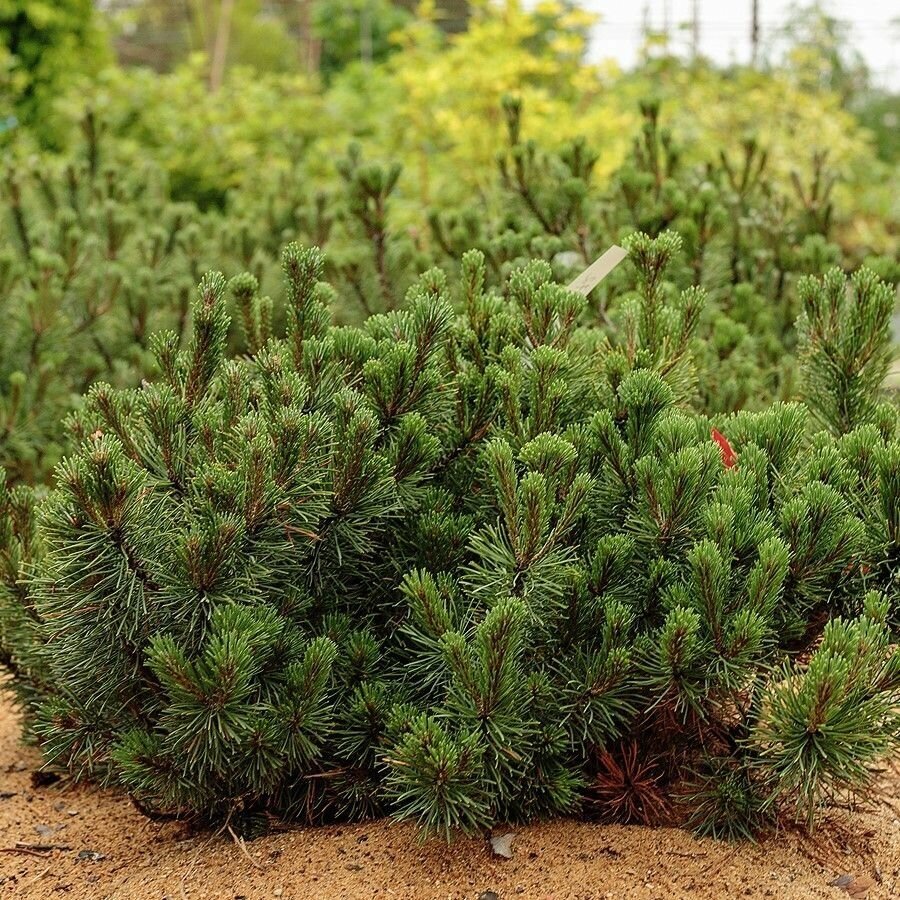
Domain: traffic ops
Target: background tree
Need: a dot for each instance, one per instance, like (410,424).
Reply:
(816,47)
(229,32)
(358,31)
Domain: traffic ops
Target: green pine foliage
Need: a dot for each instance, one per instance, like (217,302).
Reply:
(473,560)
(95,260)
(846,347)
(42,46)
(97,257)
(97,254)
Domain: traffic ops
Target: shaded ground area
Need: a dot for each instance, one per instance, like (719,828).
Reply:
(104,848)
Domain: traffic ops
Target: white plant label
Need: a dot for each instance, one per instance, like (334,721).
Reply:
(598,270)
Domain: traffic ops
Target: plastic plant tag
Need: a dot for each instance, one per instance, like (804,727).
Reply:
(598,270)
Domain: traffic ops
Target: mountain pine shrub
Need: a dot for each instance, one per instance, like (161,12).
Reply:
(461,568)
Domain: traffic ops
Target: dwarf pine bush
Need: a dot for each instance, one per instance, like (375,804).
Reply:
(459,568)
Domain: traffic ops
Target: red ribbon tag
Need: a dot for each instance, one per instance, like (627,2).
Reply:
(729,457)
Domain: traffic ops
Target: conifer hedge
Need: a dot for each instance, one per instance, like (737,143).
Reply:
(474,560)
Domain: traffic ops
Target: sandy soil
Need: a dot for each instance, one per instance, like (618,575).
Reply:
(104,848)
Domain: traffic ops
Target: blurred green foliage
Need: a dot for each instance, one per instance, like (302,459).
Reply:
(356,31)
(43,44)
(207,142)
(161,34)
(434,107)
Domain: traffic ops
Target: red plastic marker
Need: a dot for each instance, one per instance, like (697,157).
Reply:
(729,457)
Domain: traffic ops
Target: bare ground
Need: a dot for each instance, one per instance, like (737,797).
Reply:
(104,848)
